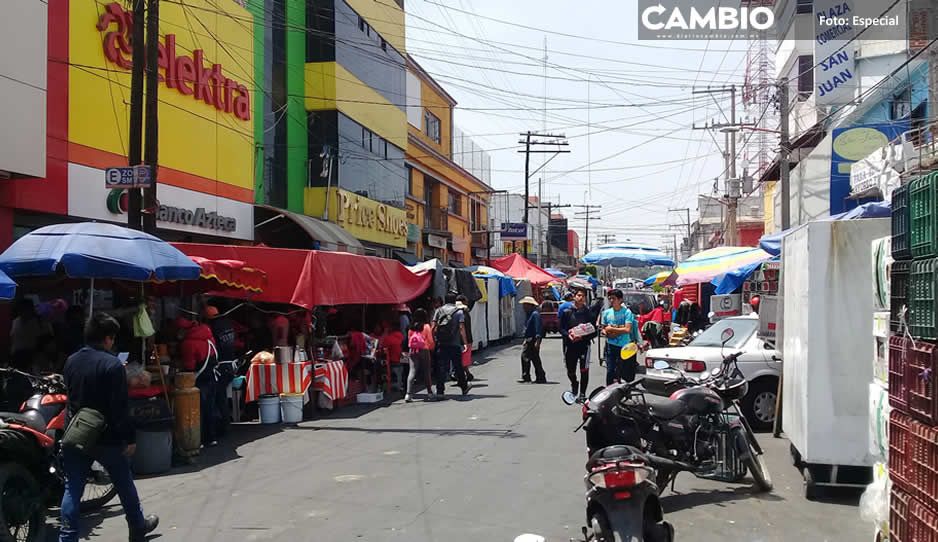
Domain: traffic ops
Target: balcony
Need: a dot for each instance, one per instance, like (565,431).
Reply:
(480,239)
(436,220)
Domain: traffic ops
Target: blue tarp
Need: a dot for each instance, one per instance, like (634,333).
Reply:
(728,283)
(506,285)
(772,242)
(96,250)
(556,272)
(7,287)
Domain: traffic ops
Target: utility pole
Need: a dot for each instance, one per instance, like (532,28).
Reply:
(784,152)
(152,143)
(686,210)
(733,185)
(135,144)
(585,215)
(550,211)
(550,140)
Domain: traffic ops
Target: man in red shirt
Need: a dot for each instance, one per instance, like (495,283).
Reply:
(198,354)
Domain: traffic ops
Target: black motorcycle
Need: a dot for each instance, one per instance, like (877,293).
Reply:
(700,430)
(621,492)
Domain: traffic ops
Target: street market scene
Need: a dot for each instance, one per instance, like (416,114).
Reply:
(327,270)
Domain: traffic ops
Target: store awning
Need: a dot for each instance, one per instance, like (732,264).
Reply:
(327,235)
(308,278)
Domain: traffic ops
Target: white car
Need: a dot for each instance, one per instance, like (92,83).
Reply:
(760,363)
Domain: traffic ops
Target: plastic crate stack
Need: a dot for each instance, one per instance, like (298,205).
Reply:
(913,362)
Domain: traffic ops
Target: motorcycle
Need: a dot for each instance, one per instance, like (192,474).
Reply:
(621,493)
(31,476)
(700,430)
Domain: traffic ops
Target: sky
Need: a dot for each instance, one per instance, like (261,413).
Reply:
(626,106)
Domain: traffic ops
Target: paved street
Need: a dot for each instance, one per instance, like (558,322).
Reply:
(502,462)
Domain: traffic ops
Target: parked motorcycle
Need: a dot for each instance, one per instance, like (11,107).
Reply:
(700,429)
(621,493)
(30,473)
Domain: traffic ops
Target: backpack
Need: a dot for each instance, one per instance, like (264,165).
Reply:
(447,328)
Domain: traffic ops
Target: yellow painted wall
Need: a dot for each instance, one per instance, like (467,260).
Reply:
(435,103)
(386,17)
(768,195)
(360,216)
(195,137)
(330,86)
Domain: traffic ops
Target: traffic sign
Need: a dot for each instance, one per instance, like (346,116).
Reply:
(128,177)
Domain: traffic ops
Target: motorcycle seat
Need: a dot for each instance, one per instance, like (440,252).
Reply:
(32,420)
(610,454)
(667,410)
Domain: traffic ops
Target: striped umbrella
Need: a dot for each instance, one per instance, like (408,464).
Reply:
(664,278)
(709,264)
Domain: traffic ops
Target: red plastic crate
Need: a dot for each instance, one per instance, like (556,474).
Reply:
(921,362)
(898,515)
(900,450)
(924,463)
(899,348)
(923,523)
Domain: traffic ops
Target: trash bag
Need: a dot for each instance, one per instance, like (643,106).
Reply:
(137,376)
(143,327)
(874,503)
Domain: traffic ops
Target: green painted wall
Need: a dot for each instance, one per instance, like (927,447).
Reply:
(297,136)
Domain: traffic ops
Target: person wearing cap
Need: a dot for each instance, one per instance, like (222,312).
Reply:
(531,349)
(223,332)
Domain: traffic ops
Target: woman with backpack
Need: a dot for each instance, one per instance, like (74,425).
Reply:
(420,342)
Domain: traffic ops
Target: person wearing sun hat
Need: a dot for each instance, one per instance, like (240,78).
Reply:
(531,350)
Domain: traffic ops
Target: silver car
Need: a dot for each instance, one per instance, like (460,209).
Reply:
(760,363)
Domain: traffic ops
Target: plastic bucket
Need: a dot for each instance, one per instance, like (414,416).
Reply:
(269,408)
(154,450)
(291,407)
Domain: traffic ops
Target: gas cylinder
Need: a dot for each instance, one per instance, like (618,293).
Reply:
(187,430)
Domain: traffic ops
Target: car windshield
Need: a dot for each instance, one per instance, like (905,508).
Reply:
(742,327)
(634,300)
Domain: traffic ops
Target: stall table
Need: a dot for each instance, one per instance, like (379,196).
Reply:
(331,378)
(274,379)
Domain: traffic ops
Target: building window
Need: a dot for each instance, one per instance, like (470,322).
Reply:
(362,24)
(804,6)
(901,105)
(384,45)
(410,181)
(455,203)
(431,126)
(475,216)
(805,76)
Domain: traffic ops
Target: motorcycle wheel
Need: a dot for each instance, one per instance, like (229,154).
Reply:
(99,490)
(759,470)
(21,512)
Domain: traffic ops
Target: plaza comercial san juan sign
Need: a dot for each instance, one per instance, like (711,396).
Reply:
(835,78)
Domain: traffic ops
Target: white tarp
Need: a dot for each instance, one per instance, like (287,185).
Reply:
(480,334)
(493,309)
(828,328)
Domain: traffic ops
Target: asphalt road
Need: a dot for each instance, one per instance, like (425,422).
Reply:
(501,462)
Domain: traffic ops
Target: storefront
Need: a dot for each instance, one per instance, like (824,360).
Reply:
(381,228)
(205,184)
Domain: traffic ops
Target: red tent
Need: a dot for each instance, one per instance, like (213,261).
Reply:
(217,276)
(517,266)
(308,278)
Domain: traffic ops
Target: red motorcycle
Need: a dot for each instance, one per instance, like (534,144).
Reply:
(30,473)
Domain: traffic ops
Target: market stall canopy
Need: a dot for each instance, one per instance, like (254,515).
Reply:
(447,279)
(218,276)
(519,267)
(730,281)
(627,255)
(485,270)
(90,250)
(7,287)
(308,278)
(556,272)
(664,278)
(772,242)
(711,263)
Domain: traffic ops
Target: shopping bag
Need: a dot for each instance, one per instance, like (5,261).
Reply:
(466,356)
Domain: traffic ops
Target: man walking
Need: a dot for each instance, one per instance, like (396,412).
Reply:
(620,329)
(579,320)
(96,379)
(449,332)
(531,349)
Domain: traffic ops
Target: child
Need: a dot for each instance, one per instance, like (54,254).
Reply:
(420,342)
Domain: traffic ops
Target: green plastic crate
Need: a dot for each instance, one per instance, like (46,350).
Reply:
(923,310)
(900,224)
(923,218)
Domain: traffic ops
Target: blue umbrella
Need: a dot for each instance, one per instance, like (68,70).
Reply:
(7,287)
(91,250)
(556,272)
(627,255)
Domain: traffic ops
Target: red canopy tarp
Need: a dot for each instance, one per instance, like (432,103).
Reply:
(307,278)
(517,266)
(217,276)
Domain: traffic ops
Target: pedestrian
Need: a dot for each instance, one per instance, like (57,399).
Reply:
(620,328)
(199,355)
(24,336)
(562,323)
(462,302)
(403,312)
(223,332)
(531,349)
(96,379)
(449,332)
(580,323)
(420,357)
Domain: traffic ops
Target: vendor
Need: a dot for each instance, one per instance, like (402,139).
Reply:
(199,354)
(279,326)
